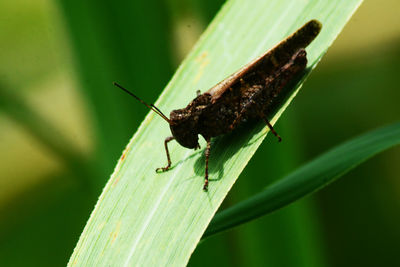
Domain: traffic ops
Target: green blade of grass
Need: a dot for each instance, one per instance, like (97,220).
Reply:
(308,178)
(143,218)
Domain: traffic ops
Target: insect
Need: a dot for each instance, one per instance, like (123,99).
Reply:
(250,93)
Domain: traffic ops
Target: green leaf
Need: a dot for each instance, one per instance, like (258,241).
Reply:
(143,218)
(307,179)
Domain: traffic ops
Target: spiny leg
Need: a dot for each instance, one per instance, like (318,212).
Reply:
(272,129)
(163,169)
(251,102)
(205,187)
(239,116)
(236,121)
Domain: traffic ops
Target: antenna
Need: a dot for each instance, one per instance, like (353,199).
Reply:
(151,106)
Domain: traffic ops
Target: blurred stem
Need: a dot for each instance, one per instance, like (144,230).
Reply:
(42,130)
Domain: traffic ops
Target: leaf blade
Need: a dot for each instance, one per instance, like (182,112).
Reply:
(141,213)
(308,178)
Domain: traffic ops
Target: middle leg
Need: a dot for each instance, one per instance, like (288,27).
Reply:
(205,187)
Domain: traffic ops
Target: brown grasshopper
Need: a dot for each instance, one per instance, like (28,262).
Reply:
(250,93)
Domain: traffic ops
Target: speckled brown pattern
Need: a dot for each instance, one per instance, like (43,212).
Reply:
(250,93)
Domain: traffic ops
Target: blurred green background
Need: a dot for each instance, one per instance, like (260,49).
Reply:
(63,127)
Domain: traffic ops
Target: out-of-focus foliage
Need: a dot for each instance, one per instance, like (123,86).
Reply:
(48,51)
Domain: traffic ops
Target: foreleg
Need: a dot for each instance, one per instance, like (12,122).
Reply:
(163,169)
